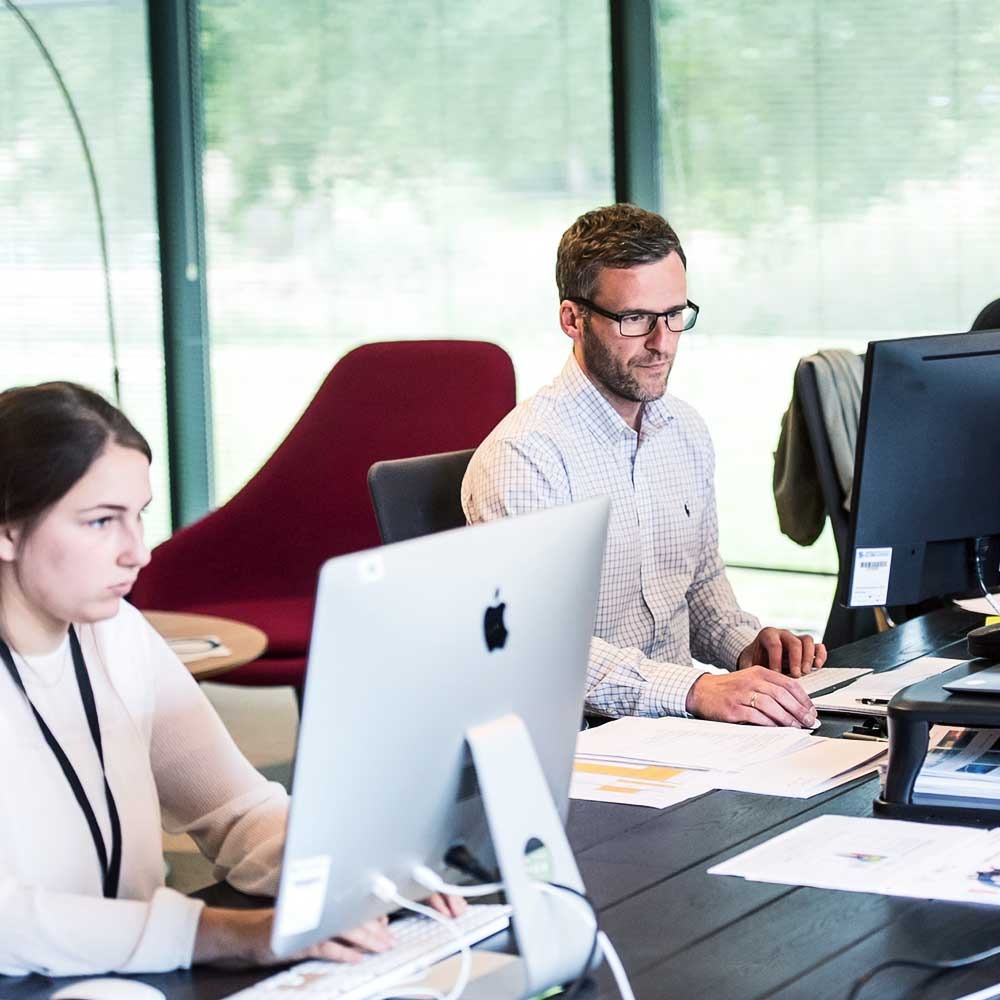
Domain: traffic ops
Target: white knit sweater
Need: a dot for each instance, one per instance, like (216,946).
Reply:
(170,763)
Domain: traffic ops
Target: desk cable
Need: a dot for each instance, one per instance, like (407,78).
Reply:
(982,546)
(431,881)
(386,890)
(947,965)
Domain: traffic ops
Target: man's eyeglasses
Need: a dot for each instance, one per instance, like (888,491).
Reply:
(640,323)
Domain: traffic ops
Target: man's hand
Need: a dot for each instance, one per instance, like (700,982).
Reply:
(755,695)
(781,650)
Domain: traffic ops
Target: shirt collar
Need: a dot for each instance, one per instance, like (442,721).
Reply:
(599,415)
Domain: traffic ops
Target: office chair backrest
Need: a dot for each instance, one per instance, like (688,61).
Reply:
(988,318)
(418,496)
(309,501)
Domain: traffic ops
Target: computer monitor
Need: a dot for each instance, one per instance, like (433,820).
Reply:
(925,508)
(415,646)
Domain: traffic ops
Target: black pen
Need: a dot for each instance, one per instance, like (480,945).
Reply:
(872,701)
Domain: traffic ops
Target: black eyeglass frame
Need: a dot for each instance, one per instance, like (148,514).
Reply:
(653,317)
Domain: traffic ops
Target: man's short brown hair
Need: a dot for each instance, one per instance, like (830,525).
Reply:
(619,235)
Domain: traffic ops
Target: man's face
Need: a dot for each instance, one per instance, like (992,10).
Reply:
(631,370)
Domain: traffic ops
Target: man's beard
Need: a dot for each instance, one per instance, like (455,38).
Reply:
(606,369)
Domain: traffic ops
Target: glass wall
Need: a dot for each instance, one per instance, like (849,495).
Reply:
(380,171)
(832,169)
(53,317)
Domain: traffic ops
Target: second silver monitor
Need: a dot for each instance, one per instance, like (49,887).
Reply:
(412,645)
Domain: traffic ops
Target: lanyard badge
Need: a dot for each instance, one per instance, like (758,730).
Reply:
(110,866)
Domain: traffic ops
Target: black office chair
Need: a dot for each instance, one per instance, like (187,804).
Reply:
(988,318)
(418,496)
(843,624)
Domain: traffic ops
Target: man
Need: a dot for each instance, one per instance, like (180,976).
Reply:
(606,427)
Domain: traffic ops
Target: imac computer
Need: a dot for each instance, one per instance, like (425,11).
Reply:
(925,507)
(443,697)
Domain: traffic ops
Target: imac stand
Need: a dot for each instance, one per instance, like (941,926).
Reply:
(553,930)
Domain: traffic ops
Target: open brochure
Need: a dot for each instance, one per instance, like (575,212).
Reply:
(961,764)
(891,857)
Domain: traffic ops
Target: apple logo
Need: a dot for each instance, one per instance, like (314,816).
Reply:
(494,630)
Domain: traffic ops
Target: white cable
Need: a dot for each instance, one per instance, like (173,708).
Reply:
(617,969)
(991,601)
(385,889)
(607,948)
(579,901)
(431,881)
(979,558)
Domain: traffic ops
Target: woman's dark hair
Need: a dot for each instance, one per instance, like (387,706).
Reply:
(50,435)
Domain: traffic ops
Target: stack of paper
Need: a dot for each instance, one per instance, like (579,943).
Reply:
(871,694)
(891,857)
(660,762)
(822,765)
(690,743)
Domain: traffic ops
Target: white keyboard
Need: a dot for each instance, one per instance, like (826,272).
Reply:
(420,942)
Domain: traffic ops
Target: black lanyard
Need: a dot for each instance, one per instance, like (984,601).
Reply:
(110,870)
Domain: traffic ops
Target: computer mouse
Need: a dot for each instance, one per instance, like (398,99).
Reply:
(108,989)
(985,642)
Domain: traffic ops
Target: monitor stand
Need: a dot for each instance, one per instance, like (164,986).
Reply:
(553,930)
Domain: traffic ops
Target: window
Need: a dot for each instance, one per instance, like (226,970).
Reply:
(53,322)
(832,172)
(379,171)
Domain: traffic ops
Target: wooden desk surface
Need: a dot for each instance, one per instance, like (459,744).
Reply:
(684,934)
(244,642)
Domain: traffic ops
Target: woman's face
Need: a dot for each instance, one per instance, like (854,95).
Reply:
(84,553)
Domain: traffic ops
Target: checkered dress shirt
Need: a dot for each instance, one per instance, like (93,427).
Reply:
(664,594)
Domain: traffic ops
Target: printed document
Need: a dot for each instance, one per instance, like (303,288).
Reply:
(961,764)
(860,854)
(871,694)
(636,784)
(821,765)
(828,677)
(660,762)
(688,743)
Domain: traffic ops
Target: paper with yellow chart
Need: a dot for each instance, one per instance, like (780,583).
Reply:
(635,784)
(660,762)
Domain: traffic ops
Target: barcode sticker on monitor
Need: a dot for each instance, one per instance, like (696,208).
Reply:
(303,895)
(870,584)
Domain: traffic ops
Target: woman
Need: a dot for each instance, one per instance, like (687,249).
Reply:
(106,736)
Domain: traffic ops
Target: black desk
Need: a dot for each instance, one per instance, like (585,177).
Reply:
(682,933)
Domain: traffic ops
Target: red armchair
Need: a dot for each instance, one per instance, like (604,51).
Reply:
(256,558)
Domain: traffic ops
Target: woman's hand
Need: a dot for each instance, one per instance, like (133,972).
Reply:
(450,906)
(242,938)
